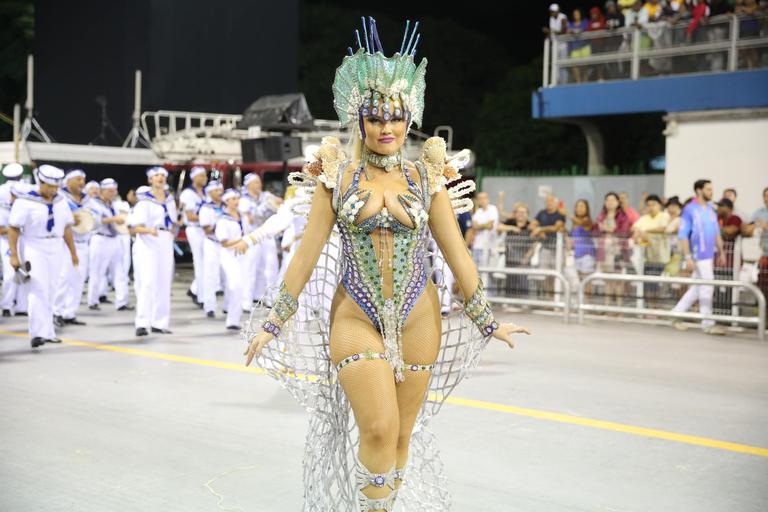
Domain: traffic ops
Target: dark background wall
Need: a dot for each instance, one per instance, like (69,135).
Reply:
(195,55)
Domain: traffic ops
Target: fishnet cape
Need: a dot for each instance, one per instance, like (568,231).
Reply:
(299,359)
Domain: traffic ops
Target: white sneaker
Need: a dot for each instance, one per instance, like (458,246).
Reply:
(680,325)
(715,330)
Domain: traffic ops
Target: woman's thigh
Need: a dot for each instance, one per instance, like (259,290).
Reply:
(369,384)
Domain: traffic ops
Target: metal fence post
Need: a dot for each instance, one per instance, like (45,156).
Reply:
(555,60)
(545,70)
(733,52)
(635,73)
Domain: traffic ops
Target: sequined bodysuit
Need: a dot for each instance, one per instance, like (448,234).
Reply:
(361,274)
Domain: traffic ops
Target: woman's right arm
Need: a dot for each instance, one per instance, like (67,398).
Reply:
(318,229)
(319,225)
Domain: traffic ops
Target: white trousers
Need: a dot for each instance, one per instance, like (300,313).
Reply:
(106,253)
(69,290)
(195,237)
(234,267)
(12,293)
(153,275)
(46,256)
(702,293)
(263,270)
(211,273)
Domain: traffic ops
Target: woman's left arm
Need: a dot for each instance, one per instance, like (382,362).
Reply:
(445,229)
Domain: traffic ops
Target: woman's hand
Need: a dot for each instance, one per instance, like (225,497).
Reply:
(257,344)
(505,332)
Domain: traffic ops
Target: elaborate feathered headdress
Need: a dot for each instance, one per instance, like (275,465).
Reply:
(367,78)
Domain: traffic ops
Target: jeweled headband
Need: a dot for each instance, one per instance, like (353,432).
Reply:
(367,80)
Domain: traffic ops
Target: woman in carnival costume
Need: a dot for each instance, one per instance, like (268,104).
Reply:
(356,324)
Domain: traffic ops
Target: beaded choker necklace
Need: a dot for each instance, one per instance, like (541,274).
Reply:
(386,162)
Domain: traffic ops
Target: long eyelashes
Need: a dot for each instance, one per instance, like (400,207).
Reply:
(375,119)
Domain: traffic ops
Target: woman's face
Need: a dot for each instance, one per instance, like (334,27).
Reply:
(611,203)
(385,137)
(521,214)
(673,209)
(581,209)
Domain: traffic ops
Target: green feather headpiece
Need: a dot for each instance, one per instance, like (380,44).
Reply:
(368,71)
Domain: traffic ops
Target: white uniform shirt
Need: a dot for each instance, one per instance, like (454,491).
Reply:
(485,238)
(5,203)
(32,214)
(191,201)
(151,213)
(259,208)
(209,214)
(100,209)
(228,228)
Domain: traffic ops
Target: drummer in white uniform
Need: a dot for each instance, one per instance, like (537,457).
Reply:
(153,222)
(229,231)
(92,188)
(191,199)
(262,269)
(106,250)
(72,279)
(41,218)
(209,214)
(13,297)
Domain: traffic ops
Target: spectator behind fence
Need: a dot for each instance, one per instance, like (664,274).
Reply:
(613,228)
(699,236)
(637,16)
(626,205)
(758,227)
(518,248)
(613,18)
(558,22)
(579,48)
(582,240)
(545,227)
(673,209)
(649,232)
(730,194)
(485,220)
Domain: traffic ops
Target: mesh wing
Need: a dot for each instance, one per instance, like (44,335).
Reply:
(299,359)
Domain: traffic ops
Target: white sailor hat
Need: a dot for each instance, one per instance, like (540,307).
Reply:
(142,190)
(230,193)
(74,173)
(50,174)
(214,185)
(108,183)
(250,177)
(92,184)
(156,170)
(198,169)
(13,170)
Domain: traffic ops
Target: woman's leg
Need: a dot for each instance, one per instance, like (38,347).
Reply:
(421,343)
(369,385)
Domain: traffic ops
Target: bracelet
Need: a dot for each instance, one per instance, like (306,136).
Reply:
(283,308)
(478,309)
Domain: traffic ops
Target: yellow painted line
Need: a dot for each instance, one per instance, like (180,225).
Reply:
(453,400)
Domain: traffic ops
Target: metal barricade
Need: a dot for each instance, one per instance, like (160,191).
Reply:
(758,321)
(562,301)
(722,43)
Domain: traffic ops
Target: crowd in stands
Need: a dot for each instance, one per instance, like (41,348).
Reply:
(690,17)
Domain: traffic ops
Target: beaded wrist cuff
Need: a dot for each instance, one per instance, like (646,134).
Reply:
(478,309)
(283,308)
